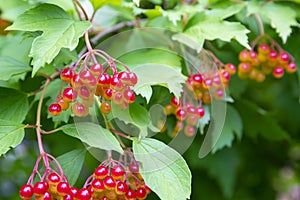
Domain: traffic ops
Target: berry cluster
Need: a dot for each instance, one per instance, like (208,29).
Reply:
(94,80)
(201,83)
(187,116)
(265,60)
(116,183)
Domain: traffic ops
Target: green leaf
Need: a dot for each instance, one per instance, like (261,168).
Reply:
(71,164)
(257,122)
(99,3)
(59,31)
(11,9)
(11,135)
(14,105)
(93,135)
(139,114)
(281,17)
(233,126)
(195,36)
(10,67)
(67,5)
(223,167)
(154,74)
(163,169)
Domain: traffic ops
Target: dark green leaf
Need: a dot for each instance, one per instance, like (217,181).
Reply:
(139,114)
(11,135)
(71,164)
(14,105)
(163,169)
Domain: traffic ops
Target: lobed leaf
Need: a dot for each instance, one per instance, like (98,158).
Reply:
(9,67)
(59,31)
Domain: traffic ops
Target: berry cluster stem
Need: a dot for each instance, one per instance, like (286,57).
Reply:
(260,24)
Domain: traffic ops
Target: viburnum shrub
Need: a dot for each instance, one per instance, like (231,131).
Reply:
(133,82)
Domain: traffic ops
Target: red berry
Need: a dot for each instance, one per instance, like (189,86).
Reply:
(54,109)
(216,81)
(192,120)
(117,172)
(69,94)
(107,94)
(130,195)
(53,178)
(79,110)
(101,172)
(181,114)
(63,188)
(230,68)
(73,191)
(104,80)
(252,55)
(175,102)
(263,48)
(63,104)
(68,197)
(273,55)
(200,111)
(84,92)
(179,126)
(134,168)
(197,79)
(244,67)
(208,82)
(109,182)
(132,79)
(189,131)
(225,75)
(40,188)
(117,98)
(96,69)
(278,72)
(219,93)
(128,95)
(116,83)
(283,58)
(26,191)
(244,56)
(83,194)
(141,193)
(121,188)
(124,77)
(47,196)
(76,81)
(86,76)
(191,110)
(291,67)
(105,108)
(66,75)
(97,185)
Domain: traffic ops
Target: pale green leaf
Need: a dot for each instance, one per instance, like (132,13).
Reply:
(11,135)
(93,135)
(282,18)
(14,105)
(59,31)
(67,5)
(71,164)
(163,169)
(233,127)
(224,13)
(11,9)
(100,3)
(154,74)
(210,30)
(10,67)
(137,2)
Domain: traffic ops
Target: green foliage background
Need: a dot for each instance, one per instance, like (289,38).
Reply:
(259,158)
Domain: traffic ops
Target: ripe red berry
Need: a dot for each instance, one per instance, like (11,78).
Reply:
(283,58)
(263,48)
(54,109)
(76,81)
(63,188)
(97,185)
(104,80)
(244,67)
(107,93)
(252,55)
(83,194)
(230,68)
(291,67)
(121,188)
(101,172)
(175,102)
(116,83)
(86,76)
(69,94)
(208,82)
(128,95)
(181,114)
(219,93)
(130,195)
(278,72)
(26,191)
(132,79)
(73,191)
(109,182)
(200,111)
(53,178)
(117,98)
(141,193)
(124,77)
(84,92)
(66,75)
(68,197)
(197,79)
(117,172)
(225,76)
(40,188)
(191,110)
